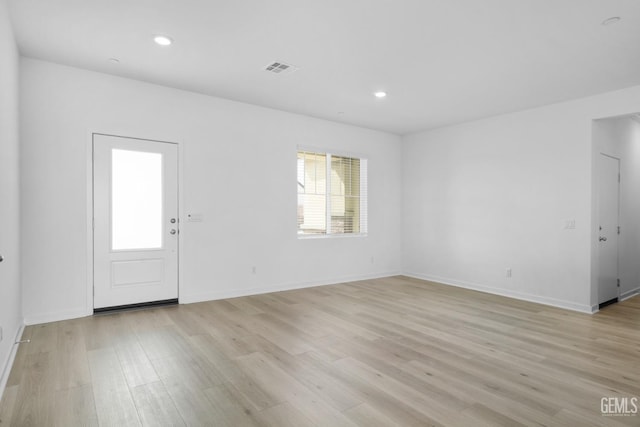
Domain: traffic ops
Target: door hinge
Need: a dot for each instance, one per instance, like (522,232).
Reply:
(618,229)
(618,282)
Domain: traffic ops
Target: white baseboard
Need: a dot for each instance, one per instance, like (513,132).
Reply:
(8,363)
(630,294)
(208,296)
(235,293)
(55,317)
(568,305)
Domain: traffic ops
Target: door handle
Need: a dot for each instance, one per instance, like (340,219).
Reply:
(1,258)
(173,231)
(602,239)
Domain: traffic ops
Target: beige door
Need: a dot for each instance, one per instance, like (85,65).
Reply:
(135,208)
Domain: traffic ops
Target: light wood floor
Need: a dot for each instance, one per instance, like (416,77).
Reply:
(383,352)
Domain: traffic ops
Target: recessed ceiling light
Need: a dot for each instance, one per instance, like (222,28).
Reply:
(612,20)
(163,40)
(380,94)
(114,60)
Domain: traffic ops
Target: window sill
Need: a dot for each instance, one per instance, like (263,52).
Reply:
(331,236)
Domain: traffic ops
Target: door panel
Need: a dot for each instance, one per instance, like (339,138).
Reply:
(139,272)
(135,221)
(608,214)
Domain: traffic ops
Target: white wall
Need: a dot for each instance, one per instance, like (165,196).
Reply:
(10,302)
(620,137)
(493,194)
(239,172)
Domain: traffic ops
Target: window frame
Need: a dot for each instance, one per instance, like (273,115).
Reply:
(364,193)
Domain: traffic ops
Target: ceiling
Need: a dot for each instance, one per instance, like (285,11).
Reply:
(440,61)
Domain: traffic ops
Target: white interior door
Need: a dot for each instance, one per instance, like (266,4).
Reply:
(608,212)
(135,208)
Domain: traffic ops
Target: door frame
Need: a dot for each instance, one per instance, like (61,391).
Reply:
(596,150)
(89,228)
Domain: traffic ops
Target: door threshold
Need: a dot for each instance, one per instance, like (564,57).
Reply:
(606,303)
(132,307)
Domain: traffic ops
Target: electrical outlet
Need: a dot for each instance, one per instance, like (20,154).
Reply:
(508,272)
(253,270)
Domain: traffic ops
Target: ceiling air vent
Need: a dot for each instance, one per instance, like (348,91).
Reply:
(280,68)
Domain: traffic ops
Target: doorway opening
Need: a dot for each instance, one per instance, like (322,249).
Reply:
(616,210)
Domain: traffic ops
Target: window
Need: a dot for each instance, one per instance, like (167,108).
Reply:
(136,200)
(332,194)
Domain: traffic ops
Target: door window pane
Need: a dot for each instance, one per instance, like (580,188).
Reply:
(136,200)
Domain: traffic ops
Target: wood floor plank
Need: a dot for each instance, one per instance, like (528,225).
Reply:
(8,404)
(114,404)
(440,410)
(285,336)
(333,392)
(149,319)
(366,415)
(571,418)
(136,366)
(187,321)
(384,352)
(18,369)
(188,369)
(75,406)
(482,390)
(286,388)
(34,403)
(247,387)
(155,406)
(391,406)
(163,342)
(480,415)
(104,330)
(192,404)
(44,338)
(72,366)
(228,409)
(283,415)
